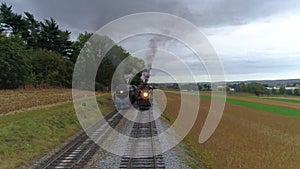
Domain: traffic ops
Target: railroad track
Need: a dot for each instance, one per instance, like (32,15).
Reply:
(139,150)
(77,153)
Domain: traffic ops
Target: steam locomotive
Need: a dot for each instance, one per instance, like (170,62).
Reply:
(139,97)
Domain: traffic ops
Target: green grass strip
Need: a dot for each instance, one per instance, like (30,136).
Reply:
(241,95)
(28,135)
(263,107)
(284,100)
(268,108)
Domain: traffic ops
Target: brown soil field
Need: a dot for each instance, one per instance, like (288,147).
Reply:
(17,100)
(245,137)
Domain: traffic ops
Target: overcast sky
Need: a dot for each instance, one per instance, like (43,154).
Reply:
(254,39)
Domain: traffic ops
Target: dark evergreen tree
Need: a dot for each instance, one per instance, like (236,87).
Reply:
(12,23)
(54,39)
(33,27)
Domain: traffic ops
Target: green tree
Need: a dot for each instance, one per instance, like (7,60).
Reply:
(48,68)
(297,92)
(257,89)
(274,91)
(111,62)
(12,65)
(243,87)
(111,55)
(54,39)
(199,87)
(33,27)
(289,92)
(12,23)
(282,90)
(78,45)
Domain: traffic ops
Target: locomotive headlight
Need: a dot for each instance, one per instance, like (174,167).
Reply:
(145,95)
(121,91)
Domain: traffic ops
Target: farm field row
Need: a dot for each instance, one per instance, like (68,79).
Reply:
(18,100)
(286,102)
(13,101)
(247,137)
(287,110)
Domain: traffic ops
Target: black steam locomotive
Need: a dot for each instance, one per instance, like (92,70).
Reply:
(144,99)
(140,96)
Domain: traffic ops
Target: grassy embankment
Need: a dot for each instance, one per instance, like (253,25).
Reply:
(28,135)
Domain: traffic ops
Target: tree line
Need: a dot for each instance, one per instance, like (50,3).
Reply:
(261,89)
(40,54)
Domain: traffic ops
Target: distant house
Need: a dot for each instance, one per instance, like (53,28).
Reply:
(291,88)
(286,88)
(273,88)
(231,89)
(276,88)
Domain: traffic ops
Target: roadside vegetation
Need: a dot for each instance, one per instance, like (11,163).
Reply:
(29,135)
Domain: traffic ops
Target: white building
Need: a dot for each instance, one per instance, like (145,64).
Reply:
(271,88)
(286,88)
(231,89)
(291,88)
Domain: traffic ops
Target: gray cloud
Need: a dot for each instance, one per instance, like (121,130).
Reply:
(262,65)
(90,15)
(236,12)
(80,16)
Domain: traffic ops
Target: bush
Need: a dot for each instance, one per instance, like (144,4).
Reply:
(13,71)
(48,68)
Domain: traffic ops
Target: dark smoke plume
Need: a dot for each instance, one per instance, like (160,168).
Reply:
(151,55)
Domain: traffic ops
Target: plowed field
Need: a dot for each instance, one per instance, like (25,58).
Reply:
(246,137)
(16,100)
